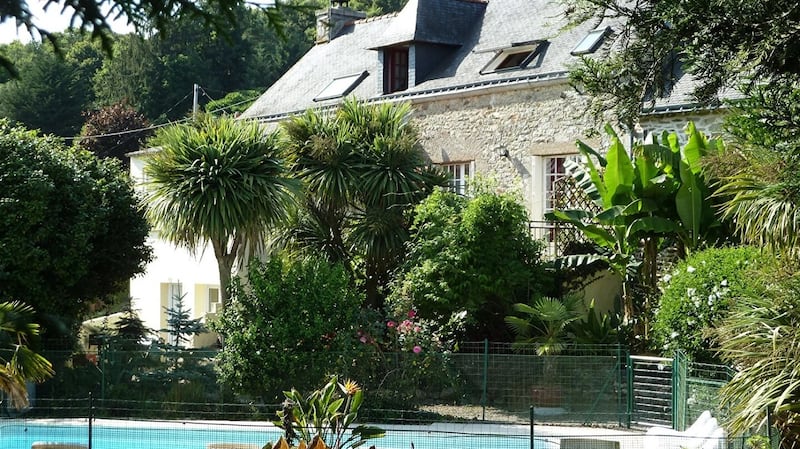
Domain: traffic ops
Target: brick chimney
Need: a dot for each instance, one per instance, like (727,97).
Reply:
(331,21)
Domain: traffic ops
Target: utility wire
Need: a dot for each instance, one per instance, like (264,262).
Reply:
(131,131)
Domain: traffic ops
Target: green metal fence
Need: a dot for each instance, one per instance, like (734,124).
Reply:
(483,389)
(483,381)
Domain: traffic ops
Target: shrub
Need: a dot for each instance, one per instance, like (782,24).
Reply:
(292,323)
(696,294)
(470,256)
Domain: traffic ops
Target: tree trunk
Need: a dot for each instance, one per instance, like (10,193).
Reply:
(225,262)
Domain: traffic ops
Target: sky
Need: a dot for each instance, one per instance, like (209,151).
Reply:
(50,20)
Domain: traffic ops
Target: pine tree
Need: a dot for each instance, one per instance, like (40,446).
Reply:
(180,326)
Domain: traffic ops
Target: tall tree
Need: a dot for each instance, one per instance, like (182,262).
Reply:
(155,75)
(71,230)
(363,172)
(55,89)
(220,181)
(114,131)
(722,43)
(145,16)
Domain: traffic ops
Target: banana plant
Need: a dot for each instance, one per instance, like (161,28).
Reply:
(325,416)
(657,190)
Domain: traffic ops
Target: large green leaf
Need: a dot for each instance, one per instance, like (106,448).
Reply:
(654,225)
(619,175)
(577,218)
(694,150)
(690,203)
(589,178)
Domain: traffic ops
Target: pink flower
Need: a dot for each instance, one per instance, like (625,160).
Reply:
(417,349)
(391,324)
(363,339)
(416,328)
(412,313)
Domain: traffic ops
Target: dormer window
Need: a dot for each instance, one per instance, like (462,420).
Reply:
(591,42)
(341,86)
(395,69)
(517,56)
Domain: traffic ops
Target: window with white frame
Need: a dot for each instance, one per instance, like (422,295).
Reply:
(553,171)
(213,300)
(460,174)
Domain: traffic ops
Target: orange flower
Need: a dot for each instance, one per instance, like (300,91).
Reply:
(350,387)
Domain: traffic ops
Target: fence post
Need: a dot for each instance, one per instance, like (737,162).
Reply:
(484,395)
(679,406)
(532,417)
(91,417)
(630,388)
(618,366)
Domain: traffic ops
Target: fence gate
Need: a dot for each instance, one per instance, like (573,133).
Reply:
(651,391)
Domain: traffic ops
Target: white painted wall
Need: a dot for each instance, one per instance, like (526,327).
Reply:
(197,274)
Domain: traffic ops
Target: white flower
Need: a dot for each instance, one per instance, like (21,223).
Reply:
(691,291)
(724,283)
(673,335)
(667,277)
(691,269)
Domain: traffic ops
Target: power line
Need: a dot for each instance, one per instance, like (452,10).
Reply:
(131,131)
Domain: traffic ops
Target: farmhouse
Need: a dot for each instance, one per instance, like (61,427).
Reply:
(488,82)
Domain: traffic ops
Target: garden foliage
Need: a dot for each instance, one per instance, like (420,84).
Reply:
(471,258)
(761,337)
(654,196)
(328,414)
(71,230)
(698,293)
(289,328)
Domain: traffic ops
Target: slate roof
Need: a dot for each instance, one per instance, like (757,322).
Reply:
(473,30)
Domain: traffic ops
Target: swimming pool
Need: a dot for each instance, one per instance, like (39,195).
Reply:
(195,435)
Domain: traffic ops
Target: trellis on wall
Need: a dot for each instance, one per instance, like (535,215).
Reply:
(565,238)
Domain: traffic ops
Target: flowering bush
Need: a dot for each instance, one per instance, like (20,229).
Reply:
(696,294)
(410,361)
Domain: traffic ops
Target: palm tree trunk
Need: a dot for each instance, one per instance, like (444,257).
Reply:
(225,261)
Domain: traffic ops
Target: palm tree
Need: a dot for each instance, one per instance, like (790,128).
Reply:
(19,363)
(221,181)
(760,186)
(363,170)
(761,337)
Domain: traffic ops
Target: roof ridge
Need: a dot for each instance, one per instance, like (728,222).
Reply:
(381,17)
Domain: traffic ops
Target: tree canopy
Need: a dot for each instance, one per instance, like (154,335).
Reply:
(220,181)
(472,255)
(722,43)
(145,16)
(363,172)
(71,231)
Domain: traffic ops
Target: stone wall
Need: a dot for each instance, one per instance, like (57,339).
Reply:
(524,124)
(710,122)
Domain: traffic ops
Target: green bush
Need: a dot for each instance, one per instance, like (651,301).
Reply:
(696,294)
(293,325)
(472,258)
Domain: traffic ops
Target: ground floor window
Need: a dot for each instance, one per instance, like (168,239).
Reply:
(460,175)
(554,171)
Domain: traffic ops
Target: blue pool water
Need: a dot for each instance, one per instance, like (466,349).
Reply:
(22,434)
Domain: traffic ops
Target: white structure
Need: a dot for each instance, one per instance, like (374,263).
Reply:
(174,272)
(705,433)
(489,86)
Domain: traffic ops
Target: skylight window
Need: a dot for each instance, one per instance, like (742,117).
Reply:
(516,57)
(341,86)
(590,42)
